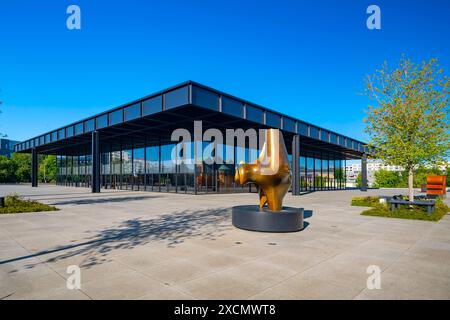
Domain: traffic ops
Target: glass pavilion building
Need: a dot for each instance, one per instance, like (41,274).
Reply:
(130,147)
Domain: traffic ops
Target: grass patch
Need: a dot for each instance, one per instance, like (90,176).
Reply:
(15,204)
(365,201)
(415,213)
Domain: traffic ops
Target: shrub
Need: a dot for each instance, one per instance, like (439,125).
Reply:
(15,204)
(365,201)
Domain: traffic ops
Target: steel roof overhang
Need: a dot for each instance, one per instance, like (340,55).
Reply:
(153,128)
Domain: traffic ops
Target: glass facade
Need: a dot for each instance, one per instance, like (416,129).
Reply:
(151,168)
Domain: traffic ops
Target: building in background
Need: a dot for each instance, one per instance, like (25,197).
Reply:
(7,147)
(353,170)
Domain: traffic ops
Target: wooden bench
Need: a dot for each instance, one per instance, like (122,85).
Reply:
(395,204)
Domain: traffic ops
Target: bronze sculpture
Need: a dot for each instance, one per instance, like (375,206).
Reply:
(270,172)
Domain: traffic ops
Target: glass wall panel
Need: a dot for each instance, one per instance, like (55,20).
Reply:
(88,175)
(54,135)
(177,98)
(168,169)
(105,170)
(205,98)
(303,174)
(152,105)
(318,182)
(152,167)
(332,174)
(69,170)
(116,170)
(82,170)
(75,171)
(309,173)
(325,174)
(139,168)
(127,169)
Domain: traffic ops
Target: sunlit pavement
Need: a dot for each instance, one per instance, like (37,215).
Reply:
(143,245)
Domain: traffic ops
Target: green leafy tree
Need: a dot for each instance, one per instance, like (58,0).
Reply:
(447,173)
(387,179)
(47,168)
(408,123)
(22,162)
(359,180)
(7,170)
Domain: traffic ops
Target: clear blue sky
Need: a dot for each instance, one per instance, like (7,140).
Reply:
(307,59)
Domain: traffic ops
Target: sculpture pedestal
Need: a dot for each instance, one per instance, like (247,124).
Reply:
(252,218)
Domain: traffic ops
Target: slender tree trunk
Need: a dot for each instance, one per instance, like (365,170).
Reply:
(410,185)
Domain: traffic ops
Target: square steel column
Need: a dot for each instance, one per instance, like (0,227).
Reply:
(296,165)
(95,162)
(364,172)
(34,168)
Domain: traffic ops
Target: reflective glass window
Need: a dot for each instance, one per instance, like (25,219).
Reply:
(54,135)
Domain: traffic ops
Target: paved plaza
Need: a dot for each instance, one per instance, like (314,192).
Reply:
(143,245)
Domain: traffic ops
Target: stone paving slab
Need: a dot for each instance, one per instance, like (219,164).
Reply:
(144,245)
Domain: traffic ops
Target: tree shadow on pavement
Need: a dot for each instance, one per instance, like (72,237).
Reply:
(171,229)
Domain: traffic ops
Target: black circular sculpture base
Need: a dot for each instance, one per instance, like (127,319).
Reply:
(252,218)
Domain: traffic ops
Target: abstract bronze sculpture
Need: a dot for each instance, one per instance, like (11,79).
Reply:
(271,172)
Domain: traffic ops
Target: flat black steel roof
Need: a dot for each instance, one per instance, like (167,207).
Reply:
(151,120)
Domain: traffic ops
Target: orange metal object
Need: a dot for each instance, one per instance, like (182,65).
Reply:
(436,185)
